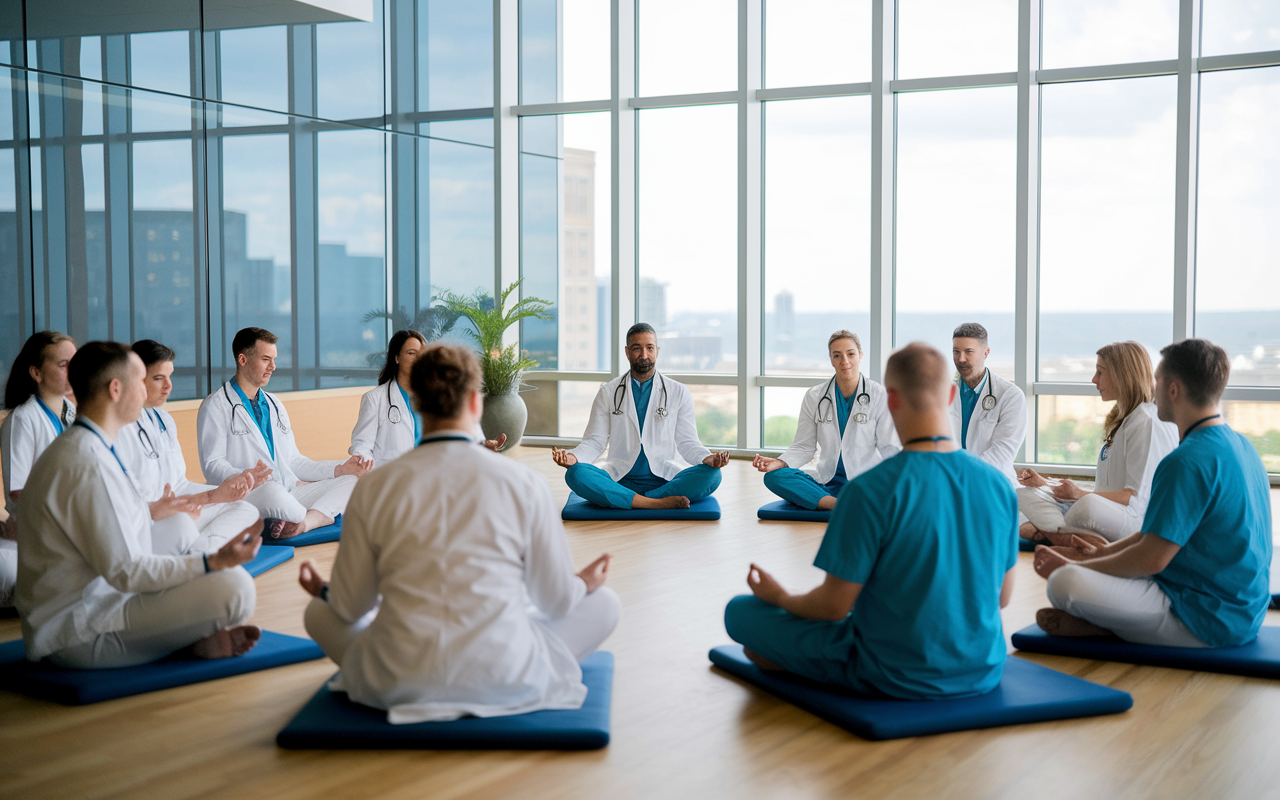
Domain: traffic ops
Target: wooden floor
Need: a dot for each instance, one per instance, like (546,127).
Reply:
(680,728)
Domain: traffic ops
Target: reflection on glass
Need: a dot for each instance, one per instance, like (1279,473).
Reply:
(455,55)
(942,37)
(255,67)
(957,171)
(817,225)
(700,54)
(349,68)
(1106,220)
(161,61)
(687,235)
(781,415)
(153,113)
(1238,245)
(1239,26)
(1069,429)
(13,262)
(1260,423)
(1083,33)
(815,42)
(716,408)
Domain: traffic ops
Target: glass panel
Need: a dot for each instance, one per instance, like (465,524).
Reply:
(1239,26)
(1069,429)
(559,408)
(12,44)
(815,42)
(349,68)
(584,34)
(943,37)
(687,235)
(957,172)
(817,227)
(716,408)
(455,60)
(1260,422)
(161,61)
(1238,245)
(254,67)
(455,213)
(1106,220)
(781,415)
(1082,33)
(14,230)
(687,46)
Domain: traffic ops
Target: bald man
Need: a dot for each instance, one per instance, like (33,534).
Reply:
(919,556)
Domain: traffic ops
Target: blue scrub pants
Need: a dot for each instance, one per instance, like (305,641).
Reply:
(816,649)
(595,486)
(798,487)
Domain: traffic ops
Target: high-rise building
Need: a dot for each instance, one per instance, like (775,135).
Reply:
(653,303)
(579,334)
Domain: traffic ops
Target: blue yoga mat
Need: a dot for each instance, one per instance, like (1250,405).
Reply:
(1026,545)
(332,722)
(784,510)
(1260,658)
(267,558)
(1027,693)
(329,533)
(82,686)
(575,508)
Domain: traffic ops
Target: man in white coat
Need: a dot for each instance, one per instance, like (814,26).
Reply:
(988,414)
(91,592)
(651,437)
(241,424)
(453,591)
(151,452)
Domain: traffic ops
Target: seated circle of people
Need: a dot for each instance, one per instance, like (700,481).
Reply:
(36,397)
(919,558)
(388,425)
(209,516)
(91,590)
(1134,442)
(645,421)
(843,450)
(241,425)
(1198,572)
(989,414)
(453,591)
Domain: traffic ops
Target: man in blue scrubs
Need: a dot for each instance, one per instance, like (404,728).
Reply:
(646,422)
(919,556)
(1199,573)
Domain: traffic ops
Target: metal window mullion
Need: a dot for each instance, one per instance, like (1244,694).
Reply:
(506,150)
(1027,236)
(623,167)
(1187,152)
(750,233)
(402,185)
(303,208)
(883,146)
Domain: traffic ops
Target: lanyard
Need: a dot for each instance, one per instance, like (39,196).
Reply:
(104,444)
(53,418)
(1197,424)
(934,439)
(155,415)
(448,437)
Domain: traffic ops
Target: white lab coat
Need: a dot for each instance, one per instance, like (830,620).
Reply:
(376,436)
(995,436)
(84,546)
(450,544)
(1139,446)
(229,447)
(670,443)
(24,435)
(136,444)
(862,446)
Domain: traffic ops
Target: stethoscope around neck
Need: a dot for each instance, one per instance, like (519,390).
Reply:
(144,438)
(620,396)
(861,398)
(393,410)
(234,405)
(988,402)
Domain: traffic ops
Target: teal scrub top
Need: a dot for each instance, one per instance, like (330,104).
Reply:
(968,402)
(641,393)
(844,405)
(930,536)
(1211,496)
(417,421)
(260,409)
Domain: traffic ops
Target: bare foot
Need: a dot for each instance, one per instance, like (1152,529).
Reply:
(678,501)
(286,530)
(762,662)
(827,503)
(1027,530)
(1056,622)
(225,644)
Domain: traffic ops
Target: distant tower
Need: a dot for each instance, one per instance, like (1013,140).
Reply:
(784,320)
(653,303)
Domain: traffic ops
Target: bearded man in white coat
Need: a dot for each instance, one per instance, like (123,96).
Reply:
(988,414)
(91,590)
(453,590)
(241,425)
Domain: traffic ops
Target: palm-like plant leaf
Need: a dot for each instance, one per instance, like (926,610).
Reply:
(502,366)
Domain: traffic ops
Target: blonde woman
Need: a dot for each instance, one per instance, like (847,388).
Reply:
(1134,442)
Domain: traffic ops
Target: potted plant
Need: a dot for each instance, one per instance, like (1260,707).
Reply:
(502,367)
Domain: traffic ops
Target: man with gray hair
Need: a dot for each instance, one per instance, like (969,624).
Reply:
(989,414)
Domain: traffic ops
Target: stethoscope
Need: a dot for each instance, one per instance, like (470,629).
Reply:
(393,410)
(988,402)
(861,398)
(148,447)
(111,449)
(620,395)
(234,405)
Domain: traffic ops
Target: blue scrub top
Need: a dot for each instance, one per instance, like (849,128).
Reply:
(641,392)
(417,422)
(1211,496)
(260,409)
(968,402)
(843,406)
(54,419)
(930,536)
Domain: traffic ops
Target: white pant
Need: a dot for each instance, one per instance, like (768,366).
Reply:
(8,571)
(179,535)
(1135,609)
(1090,514)
(159,623)
(584,629)
(328,496)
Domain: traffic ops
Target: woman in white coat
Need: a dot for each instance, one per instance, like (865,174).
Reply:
(428,611)
(1134,443)
(843,450)
(388,426)
(36,397)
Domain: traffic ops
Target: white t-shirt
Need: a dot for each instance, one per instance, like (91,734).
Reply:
(1130,461)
